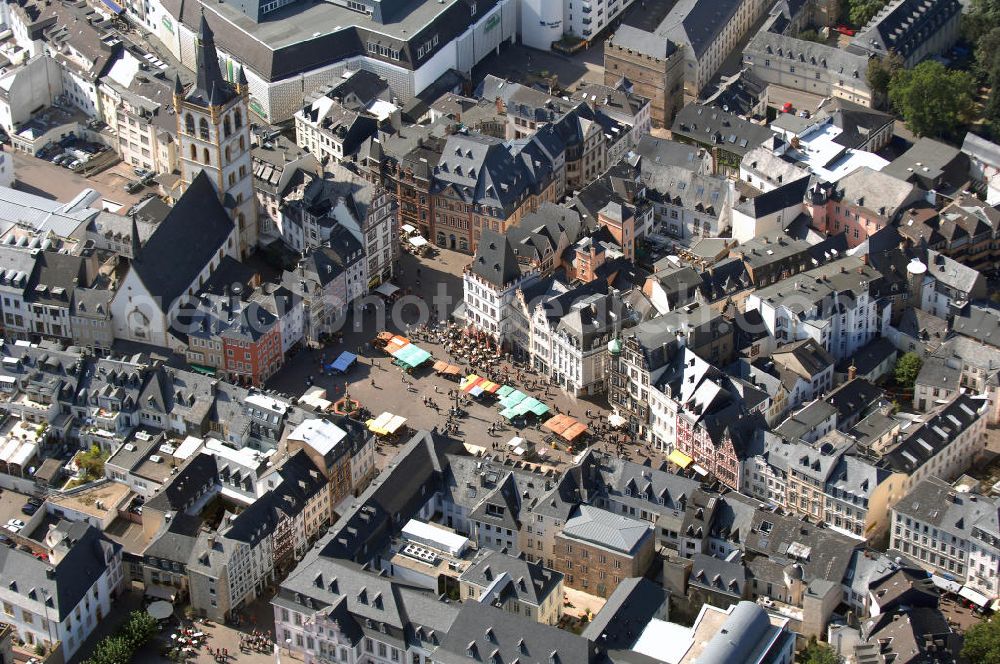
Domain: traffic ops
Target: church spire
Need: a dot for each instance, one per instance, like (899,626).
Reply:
(136,244)
(210,87)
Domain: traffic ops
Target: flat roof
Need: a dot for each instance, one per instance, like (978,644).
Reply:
(426,533)
(664,641)
(110,494)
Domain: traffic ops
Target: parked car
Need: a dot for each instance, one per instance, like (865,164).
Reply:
(133,186)
(75,164)
(6,541)
(17,523)
(844,30)
(29,509)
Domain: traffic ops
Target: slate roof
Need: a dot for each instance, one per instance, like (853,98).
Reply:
(67,581)
(698,23)
(717,575)
(903,25)
(902,638)
(632,604)
(482,633)
(835,60)
(923,443)
(169,263)
(606,529)
(528,582)
(708,125)
(787,195)
(979,323)
(495,260)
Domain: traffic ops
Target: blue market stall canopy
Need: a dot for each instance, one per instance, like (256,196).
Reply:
(344,362)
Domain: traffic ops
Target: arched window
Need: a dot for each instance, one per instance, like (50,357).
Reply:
(207,159)
(243,145)
(229,156)
(240,221)
(226,128)
(237,118)
(189,123)
(194,152)
(203,129)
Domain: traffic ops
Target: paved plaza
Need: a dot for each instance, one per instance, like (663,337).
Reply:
(380,386)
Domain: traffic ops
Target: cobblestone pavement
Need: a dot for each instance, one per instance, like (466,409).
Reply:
(380,386)
(258,617)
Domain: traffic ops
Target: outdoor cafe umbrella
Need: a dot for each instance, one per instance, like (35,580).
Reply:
(160,610)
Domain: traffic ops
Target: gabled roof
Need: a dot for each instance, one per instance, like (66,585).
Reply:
(169,262)
(495,260)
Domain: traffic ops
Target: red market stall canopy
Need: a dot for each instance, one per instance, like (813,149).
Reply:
(443,368)
(566,427)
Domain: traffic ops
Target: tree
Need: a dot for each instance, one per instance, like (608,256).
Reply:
(982,642)
(988,64)
(818,653)
(933,100)
(982,17)
(907,369)
(859,12)
(91,462)
(881,70)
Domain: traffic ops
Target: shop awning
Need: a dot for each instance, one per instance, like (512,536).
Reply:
(504,391)
(387,289)
(406,228)
(492,387)
(417,241)
(476,390)
(974,596)
(698,469)
(679,458)
(945,584)
(114,6)
(343,362)
(616,420)
(203,370)
(516,441)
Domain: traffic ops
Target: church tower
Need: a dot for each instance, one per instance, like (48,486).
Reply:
(213,132)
